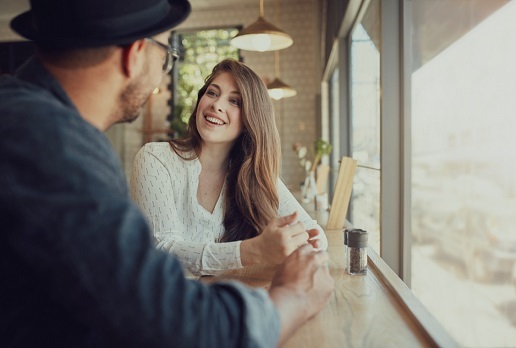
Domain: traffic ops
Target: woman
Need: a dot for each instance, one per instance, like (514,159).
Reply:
(214,197)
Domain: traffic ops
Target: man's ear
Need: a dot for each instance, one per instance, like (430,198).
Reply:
(133,58)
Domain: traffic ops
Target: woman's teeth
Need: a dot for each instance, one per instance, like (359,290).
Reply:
(214,120)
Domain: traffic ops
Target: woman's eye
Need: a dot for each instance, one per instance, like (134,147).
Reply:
(211,93)
(235,102)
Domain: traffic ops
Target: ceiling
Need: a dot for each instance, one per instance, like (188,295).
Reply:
(9,8)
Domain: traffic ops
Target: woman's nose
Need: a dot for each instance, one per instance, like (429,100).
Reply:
(217,105)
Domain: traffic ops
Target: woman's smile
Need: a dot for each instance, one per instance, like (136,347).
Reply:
(214,120)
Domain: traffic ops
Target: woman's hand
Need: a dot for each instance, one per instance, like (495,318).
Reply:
(315,242)
(277,241)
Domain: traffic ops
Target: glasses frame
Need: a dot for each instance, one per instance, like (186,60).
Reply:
(172,55)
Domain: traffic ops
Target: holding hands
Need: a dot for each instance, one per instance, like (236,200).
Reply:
(301,287)
(302,283)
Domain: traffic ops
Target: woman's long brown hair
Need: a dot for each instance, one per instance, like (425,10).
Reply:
(251,193)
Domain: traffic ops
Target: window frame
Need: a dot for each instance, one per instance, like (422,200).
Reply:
(395,178)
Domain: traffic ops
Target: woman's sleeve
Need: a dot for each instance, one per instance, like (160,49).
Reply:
(152,189)
(289,204)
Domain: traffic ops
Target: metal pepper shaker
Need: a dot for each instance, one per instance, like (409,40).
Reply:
(357,251)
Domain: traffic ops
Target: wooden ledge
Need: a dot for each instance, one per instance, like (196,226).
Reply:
(414,310)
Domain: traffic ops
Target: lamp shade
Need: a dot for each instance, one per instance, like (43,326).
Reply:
(262,36)
(278,89)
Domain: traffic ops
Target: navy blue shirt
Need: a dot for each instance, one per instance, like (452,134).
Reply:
(77,264)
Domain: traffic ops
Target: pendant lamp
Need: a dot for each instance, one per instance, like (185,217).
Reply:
(262,36)
(278,89)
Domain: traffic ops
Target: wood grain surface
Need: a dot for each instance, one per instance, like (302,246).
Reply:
(364,311)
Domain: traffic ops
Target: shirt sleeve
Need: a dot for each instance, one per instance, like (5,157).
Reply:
(152,188)
(289,204)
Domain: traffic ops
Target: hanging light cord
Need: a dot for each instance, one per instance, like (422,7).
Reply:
(276,63)
(276,53)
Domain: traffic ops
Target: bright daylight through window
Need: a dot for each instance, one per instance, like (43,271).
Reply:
(463,169)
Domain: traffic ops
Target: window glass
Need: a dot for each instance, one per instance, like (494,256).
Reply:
(463,99)
(365,123)
(334,128)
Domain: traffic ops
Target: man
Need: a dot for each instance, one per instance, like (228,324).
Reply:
(78,266)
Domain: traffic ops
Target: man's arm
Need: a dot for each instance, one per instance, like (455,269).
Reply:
(73,225)
(300,288)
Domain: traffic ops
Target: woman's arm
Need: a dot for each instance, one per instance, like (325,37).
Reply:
(288,204)
(154,189)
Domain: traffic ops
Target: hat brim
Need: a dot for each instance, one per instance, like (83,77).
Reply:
(23,24)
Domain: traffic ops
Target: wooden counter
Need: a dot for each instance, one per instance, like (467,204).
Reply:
(375,310)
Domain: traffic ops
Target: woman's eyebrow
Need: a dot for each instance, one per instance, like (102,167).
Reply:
(215,85)
(218,87)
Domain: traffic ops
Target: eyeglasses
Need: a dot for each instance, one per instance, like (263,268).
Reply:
(170,57)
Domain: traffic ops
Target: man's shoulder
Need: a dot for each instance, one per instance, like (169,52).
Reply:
(34,120)
(14,91)
(22,103)
(22,100)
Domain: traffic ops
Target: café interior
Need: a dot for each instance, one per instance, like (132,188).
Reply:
(396,117)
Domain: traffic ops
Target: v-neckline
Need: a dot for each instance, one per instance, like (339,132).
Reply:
(217,203)
(216,207)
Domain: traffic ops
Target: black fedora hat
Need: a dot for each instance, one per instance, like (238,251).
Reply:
(94,23)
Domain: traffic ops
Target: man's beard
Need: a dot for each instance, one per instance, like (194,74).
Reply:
(133,98)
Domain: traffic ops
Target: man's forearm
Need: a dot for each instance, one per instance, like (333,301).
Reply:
(292,309)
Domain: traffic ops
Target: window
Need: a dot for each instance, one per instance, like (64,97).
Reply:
(200,51)
(463,169)
(335,127)
(365,123)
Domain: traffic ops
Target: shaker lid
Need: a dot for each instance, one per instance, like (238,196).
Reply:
(357,238)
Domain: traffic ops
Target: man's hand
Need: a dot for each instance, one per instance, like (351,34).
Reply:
(301,287)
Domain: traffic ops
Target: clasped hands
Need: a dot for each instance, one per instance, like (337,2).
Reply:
(302,284)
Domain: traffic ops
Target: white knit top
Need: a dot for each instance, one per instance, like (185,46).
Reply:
(165,187)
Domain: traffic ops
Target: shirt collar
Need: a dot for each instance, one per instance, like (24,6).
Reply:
(34,72)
